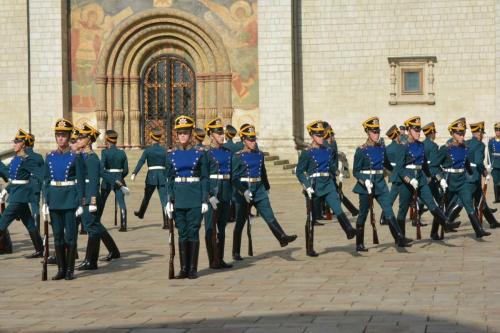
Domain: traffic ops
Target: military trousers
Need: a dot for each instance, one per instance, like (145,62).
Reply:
(119,197)
(406,196)
(262,206)
(383,199)
(16,210)
(188,223)
(64,226)
(222,215)
(92,222)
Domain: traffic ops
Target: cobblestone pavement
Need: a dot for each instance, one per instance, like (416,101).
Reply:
(450,286)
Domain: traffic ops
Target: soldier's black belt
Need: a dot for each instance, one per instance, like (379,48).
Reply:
(414,166)
(372,172)
(250,180)
(220,176)
(186,179)
(452,170)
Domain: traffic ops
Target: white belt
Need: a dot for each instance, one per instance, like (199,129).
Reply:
(157,167)
(372,172)
(220,176)
(393,164)
(186,179)
(18,182)
(496,154)
(319,174)
(250,180)
(63,183)
(413,166)
(114,170)
(451,170)
(474,165)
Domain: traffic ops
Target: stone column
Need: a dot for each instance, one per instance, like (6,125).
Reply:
(118,115)
(100,110)
(224,102)
(135,113)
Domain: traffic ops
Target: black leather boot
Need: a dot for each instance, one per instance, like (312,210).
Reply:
(36,218)
(382,220)
(61,262)
(194,250)
(85,260)
(90,263)
(70,261)
(454,211)
(123,220)
(165,221)
(110,244)
(496,189)
(350,206)
(488,215)
(183,259)
(237,245)
(435,230)
(148,192)
(402,227)
(280,235)
(474,220)
(5,242)
(444,221)
(397,233)
(210,252)
(346,226)
(37,244)
(222,244)
(51,260)
(360,238)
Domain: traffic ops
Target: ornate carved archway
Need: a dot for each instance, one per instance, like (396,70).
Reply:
(140,38)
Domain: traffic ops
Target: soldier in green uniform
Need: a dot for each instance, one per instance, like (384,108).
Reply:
(403,136)
(114,165)
(450,168)
(251,186)
(368,168)
(230,133)
(19,193)
(412,168)
(188,187)
(91,220)
(494,152)
(475,154)
(220,192)
(155,156)
(35,181)
(199,136)
(63,190)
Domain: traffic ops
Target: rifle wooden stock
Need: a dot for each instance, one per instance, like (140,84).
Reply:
(415,216)
(249,232)
(482,202)
(442,205)
(116,218)
(309,227)
(346,202)
(372,220)
(45,247)
(171,243)
(213,238)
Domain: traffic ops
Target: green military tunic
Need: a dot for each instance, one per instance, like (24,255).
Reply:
(114,166)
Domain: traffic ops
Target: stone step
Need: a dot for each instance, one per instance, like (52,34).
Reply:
(271,158)
(281,162)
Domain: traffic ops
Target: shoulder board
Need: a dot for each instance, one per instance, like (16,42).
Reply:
(363,146)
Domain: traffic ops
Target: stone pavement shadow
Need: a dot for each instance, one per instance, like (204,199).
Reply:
(285,254)
(20,247)
(348,321)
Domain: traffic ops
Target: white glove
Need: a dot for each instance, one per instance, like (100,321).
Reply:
(169,209)
(414,183)
(3,196)
(79,211)
(204,208)
(132,178)
(92,208)
(248,196)
(213,201)
(125,190)
(443,184)
(369,186)
(45,209)
(340,177)
(310,192)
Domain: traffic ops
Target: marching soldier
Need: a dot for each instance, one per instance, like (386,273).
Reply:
(252,186)
(316,171)
(220,192)
(64,181)
(368,168)
(403,136)
(36,181)
(19,193)
(475,154)
(114,164)
(199,136)
(155,156)
(187,172)
(230,134)
(494,151)
(449,169)
(413,169)
(91,220)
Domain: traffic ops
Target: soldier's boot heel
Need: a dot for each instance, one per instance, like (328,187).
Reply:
(123,220)
(280,235)
(93,245)
(488,215)
(435,230)
(110,244)
(36,239)
(360,238)
(194,251)
(183,259)
(478,229)
(70,259)
(346,226)
(237,245)
(61,262)
(398,233)
(5,242)
(444,221)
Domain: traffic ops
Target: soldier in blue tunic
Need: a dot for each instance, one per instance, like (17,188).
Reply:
(368,168)
(90,216)
(316,171)
(251,186)
(19,193)
(199,136)
(114,165)
(475,154)
(155,156)
(494,151)
(63,189)
(35,181)
(450,168)
(220,192)
(412,168)
(188,187)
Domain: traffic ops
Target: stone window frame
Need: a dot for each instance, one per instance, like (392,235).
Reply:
(400,65)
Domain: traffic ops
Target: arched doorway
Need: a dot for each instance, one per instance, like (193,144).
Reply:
(168,90)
